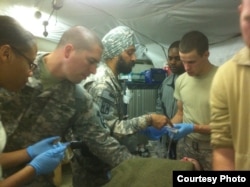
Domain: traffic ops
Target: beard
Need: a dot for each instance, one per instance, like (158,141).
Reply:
(124,67)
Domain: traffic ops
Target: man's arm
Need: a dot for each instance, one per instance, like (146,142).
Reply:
(223,159)
(178,117)
(107,103)
(221,135)
(96,135)
(90,127)
(186,128)
(200,128)
(203,128)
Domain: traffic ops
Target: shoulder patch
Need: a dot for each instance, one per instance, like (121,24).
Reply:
(108,96)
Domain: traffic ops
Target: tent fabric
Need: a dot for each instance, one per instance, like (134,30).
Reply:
(157,23)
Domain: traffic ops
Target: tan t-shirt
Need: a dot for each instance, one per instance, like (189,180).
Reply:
(193,92)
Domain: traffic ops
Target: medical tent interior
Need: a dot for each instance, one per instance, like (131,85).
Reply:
(156,23)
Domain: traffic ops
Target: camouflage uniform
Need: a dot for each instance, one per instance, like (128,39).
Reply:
(166,104)
(108,94)
(36,113)
(199,150)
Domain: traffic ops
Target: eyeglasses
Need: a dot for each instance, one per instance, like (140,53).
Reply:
(176,58)
(32,65)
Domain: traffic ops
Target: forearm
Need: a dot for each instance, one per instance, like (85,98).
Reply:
(18,179)
(97,137)
(14,158)
(223,159)
(104,146)
(115,121)
(204,129)
(177,118)
(129,126)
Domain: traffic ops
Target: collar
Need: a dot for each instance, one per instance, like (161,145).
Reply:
(243,57)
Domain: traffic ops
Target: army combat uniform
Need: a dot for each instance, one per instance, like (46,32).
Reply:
(108,94)
(166,104)
(47,107)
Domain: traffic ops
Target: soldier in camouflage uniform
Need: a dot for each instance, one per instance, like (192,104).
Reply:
(106,89)
(18,48)
(52,103)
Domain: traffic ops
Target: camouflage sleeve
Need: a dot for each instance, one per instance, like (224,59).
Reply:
(96,135)
(10,109)
(109,104)
(158,107)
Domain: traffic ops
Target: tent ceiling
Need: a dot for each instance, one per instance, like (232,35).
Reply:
(155,21)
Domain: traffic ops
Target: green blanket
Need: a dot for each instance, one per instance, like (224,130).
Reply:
(146,172)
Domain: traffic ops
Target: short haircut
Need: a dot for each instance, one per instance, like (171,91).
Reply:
(194,40)
(80,37)
(175,44)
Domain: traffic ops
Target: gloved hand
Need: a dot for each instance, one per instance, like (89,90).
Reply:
(47,161)
(41,146)
(183,130)
(153,133)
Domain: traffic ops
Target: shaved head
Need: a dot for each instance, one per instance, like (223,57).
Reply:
(80,37)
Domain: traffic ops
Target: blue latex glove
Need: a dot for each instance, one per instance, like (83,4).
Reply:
(153,133)
(47,161)
(41,146)
(183,130)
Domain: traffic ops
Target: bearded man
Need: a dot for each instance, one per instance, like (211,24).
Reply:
(106,89)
